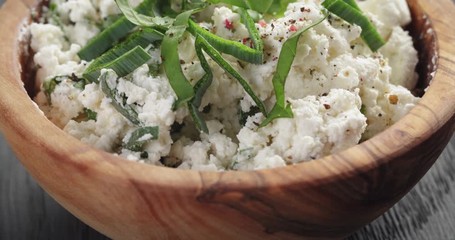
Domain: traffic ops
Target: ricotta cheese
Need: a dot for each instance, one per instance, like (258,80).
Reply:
(340,92)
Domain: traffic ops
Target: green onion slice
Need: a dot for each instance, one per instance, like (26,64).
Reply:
(141,19)
(287,55)
(107,38)
(140,137)
(171,60)
(234,48)
(117,101)
(350,12)
(142,38)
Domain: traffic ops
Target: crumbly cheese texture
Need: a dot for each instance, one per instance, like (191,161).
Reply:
(340,92)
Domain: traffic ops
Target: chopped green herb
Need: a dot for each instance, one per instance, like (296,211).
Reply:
(143,20)
(142,38)
(234,48)
(140,137)
(86,115)
(52,6)
(49,85)
(363,109)
(171,60)
(123,65)
(282,109)
(81,84)
(91,115)
(117,100)
(109,36)
(216,56)
(349,11)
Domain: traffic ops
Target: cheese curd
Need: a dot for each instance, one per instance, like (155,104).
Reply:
(340,92)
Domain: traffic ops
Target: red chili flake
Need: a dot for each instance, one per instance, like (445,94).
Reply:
(292,28)
(228,24)
(262,23)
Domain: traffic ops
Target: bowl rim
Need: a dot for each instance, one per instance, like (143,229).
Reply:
(414,128)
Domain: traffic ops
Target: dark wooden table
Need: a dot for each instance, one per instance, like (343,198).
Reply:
(27,212)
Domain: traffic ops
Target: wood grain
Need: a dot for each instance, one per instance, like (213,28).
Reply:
(328,198)
(427,212)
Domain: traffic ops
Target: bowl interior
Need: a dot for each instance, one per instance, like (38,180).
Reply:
(421,30)
(331,196)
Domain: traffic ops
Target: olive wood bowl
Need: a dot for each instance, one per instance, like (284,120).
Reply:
(324,199)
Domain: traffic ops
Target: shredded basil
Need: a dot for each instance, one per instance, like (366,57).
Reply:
(143,20)
(234,48)
(91,115)
(288,52)
(117,100)
(171,60)
(109,36)
(216,56)
(123,65)
(349,11)
(140,137)
(130,54)
(50,84)
(141,38)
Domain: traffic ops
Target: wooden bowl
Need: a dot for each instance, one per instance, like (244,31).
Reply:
(323,199)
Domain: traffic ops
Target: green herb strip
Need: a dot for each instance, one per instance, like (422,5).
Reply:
(278,7)
(216,56)
(234,48)
(261,6)
(91,115)
(351,13)
(287,55)
(49,85)
(124,64)
(109,36)
(171,60)
(140,137)
(117,100)
(200,89)
(142,38)
(353,4)
(141,19)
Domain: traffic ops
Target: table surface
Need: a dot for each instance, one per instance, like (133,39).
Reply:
(27,212)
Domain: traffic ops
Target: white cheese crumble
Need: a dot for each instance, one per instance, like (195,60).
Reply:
(340,92)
